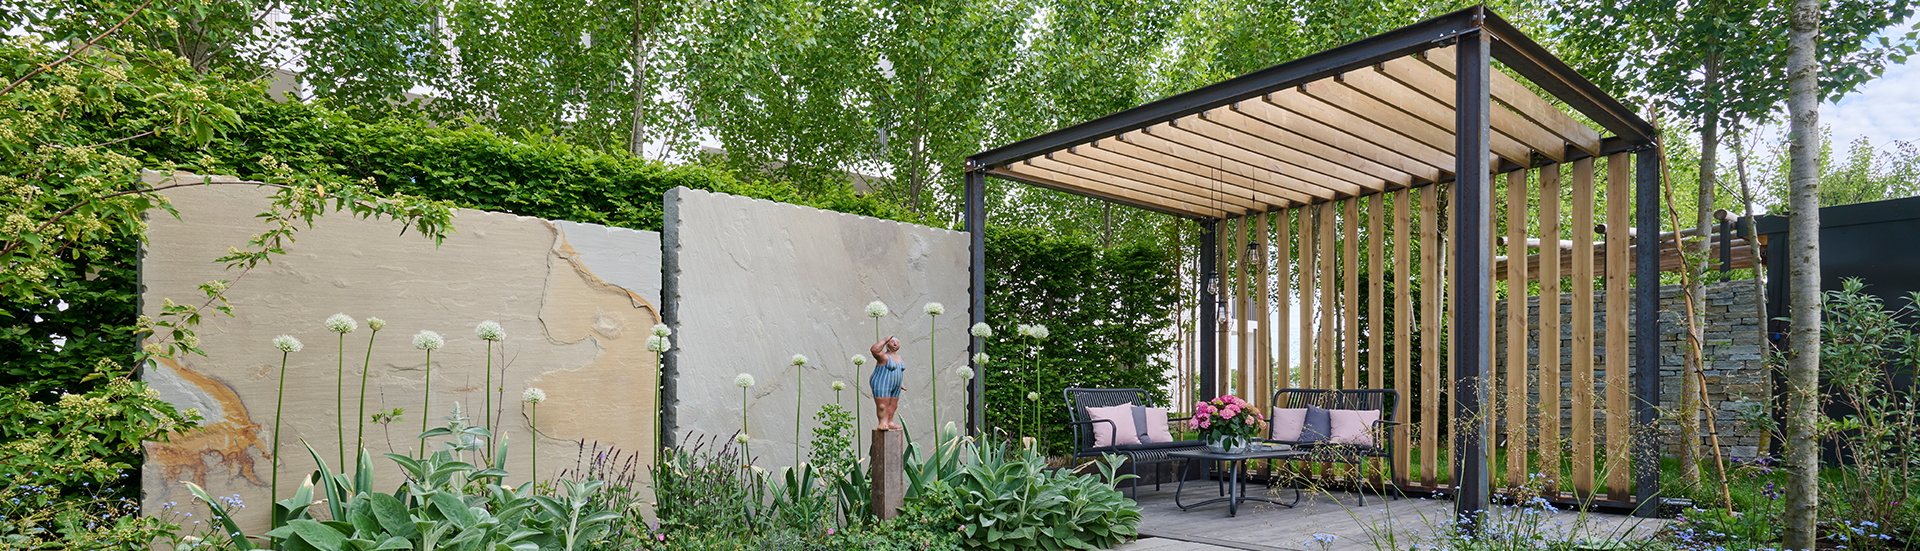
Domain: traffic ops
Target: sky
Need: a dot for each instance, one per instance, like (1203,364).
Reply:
(1884,110)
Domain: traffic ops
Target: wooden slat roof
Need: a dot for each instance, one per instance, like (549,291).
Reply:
(1364,118)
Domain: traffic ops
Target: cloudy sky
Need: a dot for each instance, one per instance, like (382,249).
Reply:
(1884,110)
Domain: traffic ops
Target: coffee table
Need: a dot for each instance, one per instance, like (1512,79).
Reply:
(1236,487)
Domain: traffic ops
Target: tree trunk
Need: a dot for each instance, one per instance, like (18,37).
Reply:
(1802,457)
(1695,375)
(637,139)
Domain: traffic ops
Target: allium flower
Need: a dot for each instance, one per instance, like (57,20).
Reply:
(876,309)
(981,358)
(837,385)
(1040,331)
(661,330)
(741,438)
(286,343)
(376,324)
(533,396)
(964,372)
(1033,396)
(489,331)
(859,359)
(428,340)
(981,330)
(743,380)
(1023,330)
(658,343)
(341,323)
(935,309)
(799,359)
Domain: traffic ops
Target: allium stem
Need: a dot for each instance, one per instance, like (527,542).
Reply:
(426,399)
(487,394)
(340,402)
(360,432)
(746,448)
(278,402)
(798,370)
(533,422)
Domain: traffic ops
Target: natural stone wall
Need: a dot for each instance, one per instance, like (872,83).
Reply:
(1734,372)
(576,301)
(749,283)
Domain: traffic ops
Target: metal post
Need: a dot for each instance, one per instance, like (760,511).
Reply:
(1726,243)
(976,224)
(1472,231)
(1209,234)
(1646,353)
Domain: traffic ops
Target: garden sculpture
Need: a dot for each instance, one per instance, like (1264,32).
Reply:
(886,381)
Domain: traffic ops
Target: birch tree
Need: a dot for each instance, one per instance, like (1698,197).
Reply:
(1802,454)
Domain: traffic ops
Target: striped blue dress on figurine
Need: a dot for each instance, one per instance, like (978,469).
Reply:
(886,378)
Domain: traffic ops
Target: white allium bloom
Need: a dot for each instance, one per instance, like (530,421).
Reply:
(489,331)
(859,360)
(981,358)
(341,323)
(428,340)
(661,330)
(286,343)
(799,359)
(533,396)
(1033,396)
(837,385)
(876,309)
(743,380)
(741,438)
(964,372)
(935,309)
(658,343)
(376,324)
(1040,331)
(1023,330)
(981,330)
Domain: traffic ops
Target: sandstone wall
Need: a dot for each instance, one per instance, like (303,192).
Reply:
(576,301)
(749,283)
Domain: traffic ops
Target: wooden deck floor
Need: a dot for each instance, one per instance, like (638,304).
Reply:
(1264,527)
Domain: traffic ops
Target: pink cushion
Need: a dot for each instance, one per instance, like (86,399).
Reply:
(1157,425)
(1120,433)
(1353,426)
(1287,423)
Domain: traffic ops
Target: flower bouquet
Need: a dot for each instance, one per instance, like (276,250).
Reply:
(1227,424)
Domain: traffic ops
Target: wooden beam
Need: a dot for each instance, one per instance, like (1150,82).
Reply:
(1329,300)
(1241,331)
(1517,327)
(1412,102)
(1548,419)
(1176,183)
(1309,265)
(1096,181)
(1521,99)
(1224,254)
(1376,330)
(1294,108)
(1262,340)
(1426,80)
(1431,291)
(1176,143)
(1209,176)
(1122,194)
(1582,284)
(1366,170)
(1291,162)
(1283,283)
(1403,316)
(1619,294)
(1350,303)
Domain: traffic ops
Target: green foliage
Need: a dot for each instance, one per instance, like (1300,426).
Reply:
(1108,311)
(1865,348)
(1008,499)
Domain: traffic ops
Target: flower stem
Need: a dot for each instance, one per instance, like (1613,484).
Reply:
(533,422)
(746,448)
(360,433)
(798,370)
(486,393)
(933,376)
(426,398)
(340,403)
(278,402)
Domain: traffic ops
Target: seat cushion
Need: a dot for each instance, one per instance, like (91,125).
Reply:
(1121,430)
(1352,426)
(1156,428)
(1287,423)
(1318,426)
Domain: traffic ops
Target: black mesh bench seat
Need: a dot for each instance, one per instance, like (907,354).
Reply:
(1385,401)
(1079,399)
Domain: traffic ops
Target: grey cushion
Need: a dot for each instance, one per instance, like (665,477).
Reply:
(1140,424)
(1319,427)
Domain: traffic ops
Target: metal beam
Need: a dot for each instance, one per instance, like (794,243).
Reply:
(1539,66)
(1399,42)
(1473,240)
(1646,319)
(976,224)
(1209,312)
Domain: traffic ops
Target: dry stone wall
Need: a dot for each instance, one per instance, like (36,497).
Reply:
(749,283)
(576,300)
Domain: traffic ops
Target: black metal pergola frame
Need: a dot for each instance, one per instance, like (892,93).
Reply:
(1480,37)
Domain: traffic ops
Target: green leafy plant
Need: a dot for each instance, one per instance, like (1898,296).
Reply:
(1007,499)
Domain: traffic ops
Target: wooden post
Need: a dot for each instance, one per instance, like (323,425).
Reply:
(889,474)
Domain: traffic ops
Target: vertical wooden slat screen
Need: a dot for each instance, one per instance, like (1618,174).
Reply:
(1430,296)
(1516,351)
(1549,374)
(1263,330)
(1240,306)
(1349,332)
(1582,346)
(1449,265)
(1402,337)
(1283,244)
(1309,253)
(1376,301)
(1329,302)
(1619,212)
(1224,240)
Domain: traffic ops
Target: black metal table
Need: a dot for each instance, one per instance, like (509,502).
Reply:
(1236,485)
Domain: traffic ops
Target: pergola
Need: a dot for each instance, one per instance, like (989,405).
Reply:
(1413,125)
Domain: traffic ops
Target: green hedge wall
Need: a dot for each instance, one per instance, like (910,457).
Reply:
(1110,312)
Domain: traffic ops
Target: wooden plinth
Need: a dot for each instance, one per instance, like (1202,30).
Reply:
(889,475)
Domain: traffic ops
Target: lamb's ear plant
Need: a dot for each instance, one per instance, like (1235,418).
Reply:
(340,325)
(360,432)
